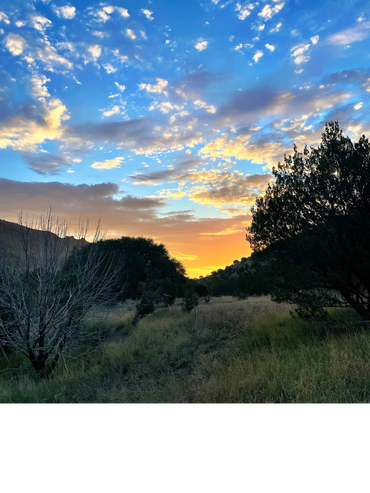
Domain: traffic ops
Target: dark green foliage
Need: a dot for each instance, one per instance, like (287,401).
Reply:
(202,291)
(169,291)
(151,294)
(310,231)
(139,257)
(191,300)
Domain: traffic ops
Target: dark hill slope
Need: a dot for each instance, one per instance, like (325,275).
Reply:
(12,236)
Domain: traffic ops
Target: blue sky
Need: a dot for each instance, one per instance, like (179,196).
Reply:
(165,118)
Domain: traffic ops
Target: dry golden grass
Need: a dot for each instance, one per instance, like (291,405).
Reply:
(226,350)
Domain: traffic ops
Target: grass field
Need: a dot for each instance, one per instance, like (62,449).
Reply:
(249,351)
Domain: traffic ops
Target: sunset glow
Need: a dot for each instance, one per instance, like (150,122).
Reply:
(164,118)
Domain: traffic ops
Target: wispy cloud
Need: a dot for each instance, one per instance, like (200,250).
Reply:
(348,36)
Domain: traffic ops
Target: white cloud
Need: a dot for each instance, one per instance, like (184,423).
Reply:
(114,110)
(238,47)
(157,88)
(130,34)
(123,12)
(299,53)
(20,23)
(148,14)
(315,39)
(348,36)
(361,19)
(277,28)
(267,12)
(39,91)
(108,163)
(210,108)
(257,55)
(4,18)
(95,51)
(202,45)
(65,12)
(358,106)
(101,34)
(109,68)
(244,11)
(165,107)
(261,27)
(104,14)
(22,133)
(120,88)
(40,23)
(270,47)
(49,55)
(15,44)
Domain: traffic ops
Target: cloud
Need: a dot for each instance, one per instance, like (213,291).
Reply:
(48,54)
(130,34)
(201,45)
(257,55)
(39,91)
(165,107)
(121,88)
(109,69)
(148,14)
(15,44)
(241,147)
(210,108)
(315,39)
(352,35)
(4,18)
(108,163)
(40,23)
(244,11)
(114,110)
(95,51)
(277,28)
(65,12)
(221,188)
(267,12)
(133,216)
(298,53)
(270,47)
(104,14)
(23,133)
(193,85)
(358,106)
(155,88)
(46,164)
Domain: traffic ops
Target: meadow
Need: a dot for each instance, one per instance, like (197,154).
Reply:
(225,351)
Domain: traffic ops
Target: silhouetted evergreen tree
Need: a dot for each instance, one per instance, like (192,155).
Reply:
(310,231)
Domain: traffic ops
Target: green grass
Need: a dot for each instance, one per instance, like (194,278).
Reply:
(225,351)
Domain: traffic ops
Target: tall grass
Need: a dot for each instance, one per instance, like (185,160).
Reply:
(224,351)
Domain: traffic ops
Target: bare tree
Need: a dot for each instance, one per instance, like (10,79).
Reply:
(48,287)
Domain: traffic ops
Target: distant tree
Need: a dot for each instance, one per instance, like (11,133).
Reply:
(203,292)
(141,256)
(191,300)
(151,294)
(169,292)
(42,302)
(310,231)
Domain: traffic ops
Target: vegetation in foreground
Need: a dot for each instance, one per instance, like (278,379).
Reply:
(226,350)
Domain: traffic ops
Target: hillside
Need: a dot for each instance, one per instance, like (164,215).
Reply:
(229,272)
(11,235)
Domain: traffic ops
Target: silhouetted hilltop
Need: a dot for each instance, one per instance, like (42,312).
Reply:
(12,236)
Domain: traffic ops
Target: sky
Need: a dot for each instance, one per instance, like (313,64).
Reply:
(164,118)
